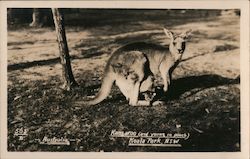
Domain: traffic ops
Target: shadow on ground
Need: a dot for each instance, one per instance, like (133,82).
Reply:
(191,84)
(185,84)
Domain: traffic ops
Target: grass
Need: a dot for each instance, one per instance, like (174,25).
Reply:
(210,115)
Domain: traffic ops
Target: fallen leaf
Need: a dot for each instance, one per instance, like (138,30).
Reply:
(207,110)
(17,97)
(198,130)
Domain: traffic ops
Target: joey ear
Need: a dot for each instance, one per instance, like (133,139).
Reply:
(168,33)
(187,34)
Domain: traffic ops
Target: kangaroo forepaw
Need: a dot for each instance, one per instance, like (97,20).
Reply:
(165,88)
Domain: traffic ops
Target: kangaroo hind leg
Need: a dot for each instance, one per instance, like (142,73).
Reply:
(134,93)
(124,88)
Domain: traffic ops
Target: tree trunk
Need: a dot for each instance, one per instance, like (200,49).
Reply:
(69,80)
(36,18)
(10,18)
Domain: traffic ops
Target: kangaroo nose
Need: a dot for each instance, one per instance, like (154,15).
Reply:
(180,50)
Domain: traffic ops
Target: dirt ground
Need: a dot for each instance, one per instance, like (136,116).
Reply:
(204,99)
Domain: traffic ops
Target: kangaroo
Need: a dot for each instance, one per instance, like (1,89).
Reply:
(132,68)
(131,73)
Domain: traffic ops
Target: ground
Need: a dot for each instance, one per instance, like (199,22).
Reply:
(204,99)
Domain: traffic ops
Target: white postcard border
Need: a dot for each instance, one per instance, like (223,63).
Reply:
(244,67)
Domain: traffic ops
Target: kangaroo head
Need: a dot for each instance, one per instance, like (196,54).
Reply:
(177,41)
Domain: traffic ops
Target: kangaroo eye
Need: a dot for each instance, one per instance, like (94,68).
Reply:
(174,43)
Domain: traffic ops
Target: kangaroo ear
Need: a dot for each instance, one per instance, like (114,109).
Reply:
(187,34)
(168,33)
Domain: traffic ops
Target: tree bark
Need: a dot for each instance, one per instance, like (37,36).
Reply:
(69,80)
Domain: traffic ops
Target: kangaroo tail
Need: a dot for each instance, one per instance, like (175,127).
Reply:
(104,91)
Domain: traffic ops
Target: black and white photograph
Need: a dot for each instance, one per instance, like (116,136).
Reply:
(125,79)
